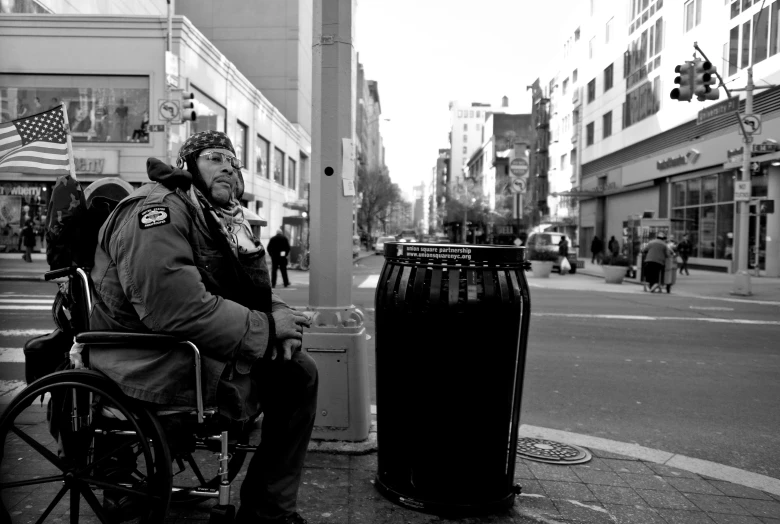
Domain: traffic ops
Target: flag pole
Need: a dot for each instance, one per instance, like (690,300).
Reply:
(71,163)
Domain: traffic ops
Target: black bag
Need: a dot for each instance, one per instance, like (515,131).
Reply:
(46,354)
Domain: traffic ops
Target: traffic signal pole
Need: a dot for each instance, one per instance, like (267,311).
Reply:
(742,277)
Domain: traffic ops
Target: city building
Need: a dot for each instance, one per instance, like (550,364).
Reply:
(114,90)
(649,160)
(439,190)
(420,208)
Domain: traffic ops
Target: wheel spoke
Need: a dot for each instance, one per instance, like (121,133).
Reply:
(31,482)
(106,456)
(53,504)
(40,448)
(94,503)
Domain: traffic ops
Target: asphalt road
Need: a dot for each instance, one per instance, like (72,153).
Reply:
(674,373)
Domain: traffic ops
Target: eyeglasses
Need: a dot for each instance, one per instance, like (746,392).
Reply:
(221,158)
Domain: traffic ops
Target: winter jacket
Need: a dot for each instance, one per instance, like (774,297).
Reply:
(277,245)
(161,267)
(657,251)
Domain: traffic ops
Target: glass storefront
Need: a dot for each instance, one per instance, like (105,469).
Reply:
(20,202)
(703,209)
(100,108)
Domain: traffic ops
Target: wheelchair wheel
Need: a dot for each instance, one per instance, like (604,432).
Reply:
(73,445)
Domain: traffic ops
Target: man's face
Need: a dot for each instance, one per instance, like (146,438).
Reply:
(220,177)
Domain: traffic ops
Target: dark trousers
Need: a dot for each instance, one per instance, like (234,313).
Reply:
(279,263)
(28,253)
(653,272)
(684,265)
(288,395)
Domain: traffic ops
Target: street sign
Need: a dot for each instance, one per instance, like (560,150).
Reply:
(752,124)
(519,167)
(742,191)
(517,185)
(730,105)
(169,109)
(156,128)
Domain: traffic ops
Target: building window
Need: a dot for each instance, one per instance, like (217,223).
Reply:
(589,134)
(465,150)
(704,210)
(465,127)
(100,108)
(606,124)
(608,30)
(735,8)
(261,156)
(574,77)
(465,138)
(471,114)
(479,126)
(565,86)
(24,7)
(563,161)
(591,90)
(733,50)
(211,115)
(278,166)
(240,143)
(692,14)
(745,45)
(590,47)
(608,78)
(760,35)
(573,157)
(291,173)
(577,34)
(659,35)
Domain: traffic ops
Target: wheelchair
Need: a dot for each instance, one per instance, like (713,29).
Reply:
(72,436)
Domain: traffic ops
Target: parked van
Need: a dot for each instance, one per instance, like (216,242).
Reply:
(548,241)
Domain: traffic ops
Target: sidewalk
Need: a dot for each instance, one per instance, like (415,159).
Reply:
(610,488)
(704,284)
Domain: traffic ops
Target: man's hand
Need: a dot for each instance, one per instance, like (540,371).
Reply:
(290,324)
(288,347)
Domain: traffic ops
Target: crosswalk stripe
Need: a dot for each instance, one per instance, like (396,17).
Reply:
(11,355)
(24,332)
(370,282)
(26,301)
(37,308)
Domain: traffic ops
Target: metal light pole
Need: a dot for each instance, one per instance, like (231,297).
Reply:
(742,277)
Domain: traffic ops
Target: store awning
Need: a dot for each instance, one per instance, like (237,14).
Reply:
(298,205)
(253,218)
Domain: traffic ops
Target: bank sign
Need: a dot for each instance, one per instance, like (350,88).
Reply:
(680,160)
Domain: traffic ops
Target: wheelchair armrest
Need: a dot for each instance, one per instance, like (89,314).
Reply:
(147,340)
(120,337)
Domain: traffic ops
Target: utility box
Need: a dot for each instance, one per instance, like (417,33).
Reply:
(337,343)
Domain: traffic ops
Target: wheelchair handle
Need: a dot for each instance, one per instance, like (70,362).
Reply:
(59,273)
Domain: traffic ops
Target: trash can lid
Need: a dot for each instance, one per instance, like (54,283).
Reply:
(454,254)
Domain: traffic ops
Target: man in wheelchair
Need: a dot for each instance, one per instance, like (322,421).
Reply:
(177,257)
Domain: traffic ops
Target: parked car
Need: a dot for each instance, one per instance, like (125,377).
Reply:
(407,235)
(379,247)
(548,241)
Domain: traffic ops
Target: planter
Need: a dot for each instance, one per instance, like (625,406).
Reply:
(541,268)
(614,274)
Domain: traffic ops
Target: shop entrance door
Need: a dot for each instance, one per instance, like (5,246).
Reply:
(757,240)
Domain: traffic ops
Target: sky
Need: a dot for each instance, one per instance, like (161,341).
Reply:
(426,53)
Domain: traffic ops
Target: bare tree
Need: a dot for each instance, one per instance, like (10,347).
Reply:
(379,194)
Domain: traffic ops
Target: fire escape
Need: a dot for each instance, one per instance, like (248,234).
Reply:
(541,116)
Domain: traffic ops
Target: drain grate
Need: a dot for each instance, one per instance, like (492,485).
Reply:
(551,452)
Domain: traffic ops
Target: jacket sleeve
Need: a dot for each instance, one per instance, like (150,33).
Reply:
(157,272)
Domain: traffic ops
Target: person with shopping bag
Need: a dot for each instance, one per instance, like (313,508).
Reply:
(563,252)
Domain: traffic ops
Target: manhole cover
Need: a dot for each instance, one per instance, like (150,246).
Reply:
(551,452)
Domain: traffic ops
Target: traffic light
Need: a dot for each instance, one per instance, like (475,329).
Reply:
(704,76)
(188,106)
(685,81)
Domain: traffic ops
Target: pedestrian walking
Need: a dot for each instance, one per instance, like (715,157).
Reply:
(28,240)
(684,249)
(656,252)
(563,252)
(596,247)
(614,246)
(279,249)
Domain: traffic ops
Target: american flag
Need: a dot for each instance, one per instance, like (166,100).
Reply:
(36,145)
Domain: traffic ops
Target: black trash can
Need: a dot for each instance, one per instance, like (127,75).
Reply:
(451,335)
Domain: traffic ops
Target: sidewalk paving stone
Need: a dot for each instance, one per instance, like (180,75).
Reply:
(694,486)
(666,499)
